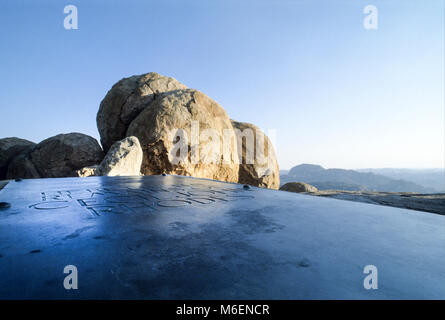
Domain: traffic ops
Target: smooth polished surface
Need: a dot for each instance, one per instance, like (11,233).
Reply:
(172,237)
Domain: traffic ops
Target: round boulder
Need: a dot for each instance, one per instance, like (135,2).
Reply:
(125,100)
(199,123)
(298,187)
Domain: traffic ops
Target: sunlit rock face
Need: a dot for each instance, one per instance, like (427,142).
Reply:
(124,158)
(160,111)
(263,172)
(176,110)
(126,99)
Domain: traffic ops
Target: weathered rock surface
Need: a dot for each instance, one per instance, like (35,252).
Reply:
(10,148)
(263,172)
(416,201)
(88,171)
(298,187)
(176,110)
(126,99)
(58,156)
(123,159)
(22,167)
(151,107)
(408,200)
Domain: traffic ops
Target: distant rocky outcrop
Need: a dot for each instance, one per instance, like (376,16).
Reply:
(298,187)
(124,158)
(151,107)
(350,180)
(416,201)
(58,156)
(10,148)
(434,203)
(432,178)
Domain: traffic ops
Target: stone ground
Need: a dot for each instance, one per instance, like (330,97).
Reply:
(416,201)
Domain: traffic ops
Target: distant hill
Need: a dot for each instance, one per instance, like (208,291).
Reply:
(429,178)
(351,180)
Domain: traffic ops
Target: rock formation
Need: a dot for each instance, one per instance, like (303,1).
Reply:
(88,171)
(123,159)
(58,156)
(260,173)
(172,112)
(298,187)
(126,99)
(159,122)
(10,148)
(160,111)
(351,180)
(408,200)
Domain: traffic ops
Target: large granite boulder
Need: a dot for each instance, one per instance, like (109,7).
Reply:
(261,171)
(181,131)
(176,112)
(10,148)
(298,187)
(126,99)
(123,159)
(58,156)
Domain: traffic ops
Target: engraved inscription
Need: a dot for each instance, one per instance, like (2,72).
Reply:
(125,199)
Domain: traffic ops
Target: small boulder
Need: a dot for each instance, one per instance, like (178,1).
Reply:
(298,187)
(10,148)
(123,159)
(88,171)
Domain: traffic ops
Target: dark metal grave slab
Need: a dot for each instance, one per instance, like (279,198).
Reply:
(171,237)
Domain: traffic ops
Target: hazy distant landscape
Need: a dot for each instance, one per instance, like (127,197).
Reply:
(379,180)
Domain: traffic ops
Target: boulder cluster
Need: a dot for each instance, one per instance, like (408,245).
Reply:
(135,122)
(58,156)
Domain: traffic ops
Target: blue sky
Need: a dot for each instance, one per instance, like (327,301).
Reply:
(337,94)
